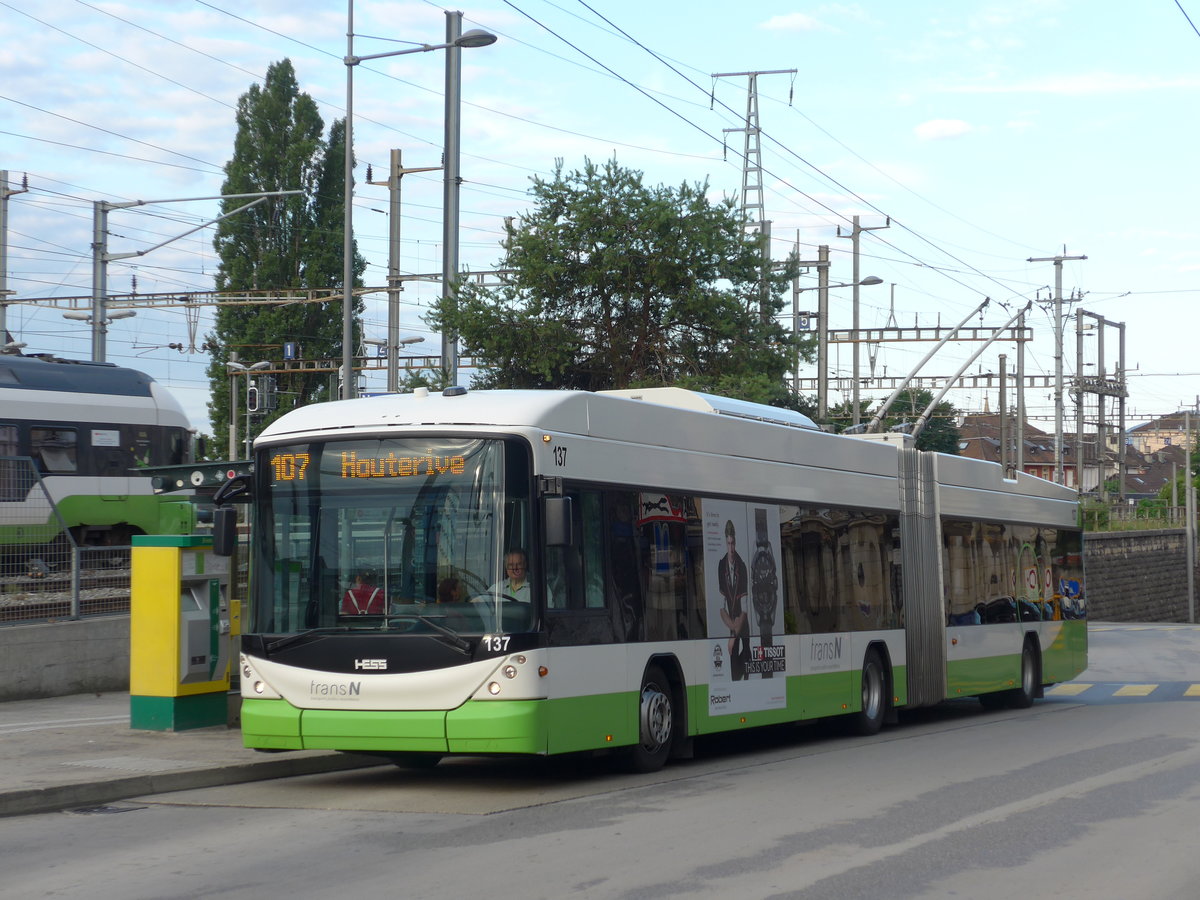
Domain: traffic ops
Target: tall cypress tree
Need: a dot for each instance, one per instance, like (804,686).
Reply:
(283,243)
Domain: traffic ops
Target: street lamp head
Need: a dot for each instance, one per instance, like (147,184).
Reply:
(78,315)
(260,365)
(476,37)
(871,279)
(235,367)
(122,314)
(412,340)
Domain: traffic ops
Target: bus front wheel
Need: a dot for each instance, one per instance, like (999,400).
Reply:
(656,723)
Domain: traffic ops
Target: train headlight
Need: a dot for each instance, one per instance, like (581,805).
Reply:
(494,688)
(510,671)
(259,687)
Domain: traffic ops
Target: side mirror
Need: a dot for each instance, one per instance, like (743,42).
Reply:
(224,531)
(560,521)
(238,489)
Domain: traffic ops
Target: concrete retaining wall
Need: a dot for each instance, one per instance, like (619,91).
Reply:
(59,658)
(1136,576)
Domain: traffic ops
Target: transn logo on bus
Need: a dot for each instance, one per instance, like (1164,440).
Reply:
(375,664)
(329,689)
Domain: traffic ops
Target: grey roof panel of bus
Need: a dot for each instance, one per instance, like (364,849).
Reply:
(696,400)
(610,415)
(34,374)
(565,411)
(551,410)
(968,485)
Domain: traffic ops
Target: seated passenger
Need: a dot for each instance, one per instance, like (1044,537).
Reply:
(363,598)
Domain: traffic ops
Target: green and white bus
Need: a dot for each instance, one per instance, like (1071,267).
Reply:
(694,565)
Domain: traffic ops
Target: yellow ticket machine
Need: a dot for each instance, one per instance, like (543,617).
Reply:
(183,625)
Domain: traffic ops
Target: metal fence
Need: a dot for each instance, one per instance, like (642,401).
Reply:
(1097,516)
(79,582)
(44,575)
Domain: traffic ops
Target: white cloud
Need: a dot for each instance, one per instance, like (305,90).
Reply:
(1079,85)
(792,22)
(940,129)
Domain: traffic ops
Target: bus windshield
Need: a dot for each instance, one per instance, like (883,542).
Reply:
(391,535)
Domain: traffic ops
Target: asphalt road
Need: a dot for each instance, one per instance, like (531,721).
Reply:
(1089,794)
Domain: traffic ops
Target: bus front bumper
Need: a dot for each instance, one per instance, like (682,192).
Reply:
(515,726)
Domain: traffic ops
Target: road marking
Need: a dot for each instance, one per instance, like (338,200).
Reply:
(1069,690)
(1135,690)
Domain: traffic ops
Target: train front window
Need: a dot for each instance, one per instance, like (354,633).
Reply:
(393,535)
(53,449)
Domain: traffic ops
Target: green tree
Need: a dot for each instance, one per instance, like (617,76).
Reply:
(941,429)
(1190,471)
(613,284)
(284,243)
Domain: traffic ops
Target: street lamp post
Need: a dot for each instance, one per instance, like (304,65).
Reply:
(390,351)
(454,41)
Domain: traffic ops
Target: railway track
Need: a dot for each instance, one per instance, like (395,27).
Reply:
(24,598)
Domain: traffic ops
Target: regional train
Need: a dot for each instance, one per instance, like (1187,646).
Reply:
(73,436)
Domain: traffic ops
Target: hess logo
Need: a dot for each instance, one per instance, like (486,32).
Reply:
(370,664)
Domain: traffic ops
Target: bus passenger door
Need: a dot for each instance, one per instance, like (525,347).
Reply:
(574,595)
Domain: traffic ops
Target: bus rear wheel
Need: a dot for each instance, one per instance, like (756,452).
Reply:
(656,723)
(869,718)
(1022,697)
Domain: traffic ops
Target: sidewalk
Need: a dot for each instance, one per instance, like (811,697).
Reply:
(64,752)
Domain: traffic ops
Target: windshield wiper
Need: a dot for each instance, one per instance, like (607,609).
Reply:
(453,638)
(300,635)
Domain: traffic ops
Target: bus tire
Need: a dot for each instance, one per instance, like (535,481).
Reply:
(656,722)
(1022,697)
(869,719)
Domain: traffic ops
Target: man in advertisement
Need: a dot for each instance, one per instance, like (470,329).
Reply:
(733,583)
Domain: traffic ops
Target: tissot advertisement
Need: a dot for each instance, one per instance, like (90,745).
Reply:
(743,584)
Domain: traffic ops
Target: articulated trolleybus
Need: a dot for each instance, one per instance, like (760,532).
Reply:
(545,572)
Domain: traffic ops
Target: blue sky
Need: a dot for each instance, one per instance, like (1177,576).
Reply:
(989,133)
